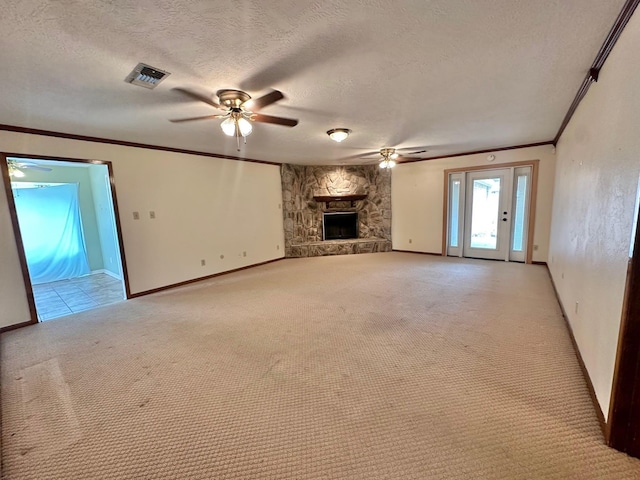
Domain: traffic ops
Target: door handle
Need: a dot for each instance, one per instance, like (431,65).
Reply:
(504,219)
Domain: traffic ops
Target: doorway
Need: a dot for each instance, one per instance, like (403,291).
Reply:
(68,235)
(488,212)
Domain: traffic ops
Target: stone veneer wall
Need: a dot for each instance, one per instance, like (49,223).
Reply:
(303,215)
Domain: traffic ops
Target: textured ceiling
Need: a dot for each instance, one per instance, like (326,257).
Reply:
(452,75)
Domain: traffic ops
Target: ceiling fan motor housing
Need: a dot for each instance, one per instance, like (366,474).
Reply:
(232,98)
(387,152)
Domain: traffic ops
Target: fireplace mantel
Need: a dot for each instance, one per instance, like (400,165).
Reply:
(339,198)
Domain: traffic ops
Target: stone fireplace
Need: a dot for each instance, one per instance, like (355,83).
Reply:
(351,204)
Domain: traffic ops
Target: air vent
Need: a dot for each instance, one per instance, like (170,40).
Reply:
(146,76)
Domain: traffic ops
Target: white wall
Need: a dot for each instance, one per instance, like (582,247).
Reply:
(107,233)
(205,207)
(598,163)
(417,191)
(13,297)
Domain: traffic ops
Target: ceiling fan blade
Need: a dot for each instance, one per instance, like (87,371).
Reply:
(268,99)
(413,150)
(190,119)
(32,166)
(197,96)
(287,122)
(36,167)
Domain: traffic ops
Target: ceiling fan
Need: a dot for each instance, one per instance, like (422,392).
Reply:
(390,156)
(239,110)
(16,167)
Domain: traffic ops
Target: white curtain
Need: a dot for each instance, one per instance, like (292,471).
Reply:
(51,229)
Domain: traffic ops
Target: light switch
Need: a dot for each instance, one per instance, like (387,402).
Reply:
(152,214)
(136,216)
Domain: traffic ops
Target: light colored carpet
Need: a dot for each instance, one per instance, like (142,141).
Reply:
(379,366)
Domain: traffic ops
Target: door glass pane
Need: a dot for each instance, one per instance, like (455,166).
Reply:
(455,210)
(518,217)
(485,210)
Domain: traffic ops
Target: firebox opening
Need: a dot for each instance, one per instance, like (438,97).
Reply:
(339,225)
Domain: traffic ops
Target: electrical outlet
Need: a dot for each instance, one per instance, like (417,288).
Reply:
(221,257)
(136,215)
(152,214)
(277,247)
(410,240)
(244,254)
(535,248)
(203,262)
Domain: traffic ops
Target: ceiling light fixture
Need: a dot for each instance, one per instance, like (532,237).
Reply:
(387,163)
(237,124)
(389,157)
(14,170)
(236,121)
(338,134)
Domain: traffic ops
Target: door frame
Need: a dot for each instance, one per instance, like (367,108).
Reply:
(622,428)
(4,170)
(534,164)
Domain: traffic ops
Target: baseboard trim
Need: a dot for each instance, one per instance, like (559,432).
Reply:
(200,279)
(106,272)
(535,262)
(419,253)
(583,367)
(17,325)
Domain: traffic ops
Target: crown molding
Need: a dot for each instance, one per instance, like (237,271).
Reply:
(84,138)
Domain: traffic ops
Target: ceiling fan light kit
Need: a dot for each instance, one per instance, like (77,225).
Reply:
(389,156)
(338,134)
(387,163)
(236,125)
(14,172)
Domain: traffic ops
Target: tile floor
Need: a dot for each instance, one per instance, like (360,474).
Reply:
(65,297)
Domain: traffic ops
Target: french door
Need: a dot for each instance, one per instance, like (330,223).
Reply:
(488,213)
